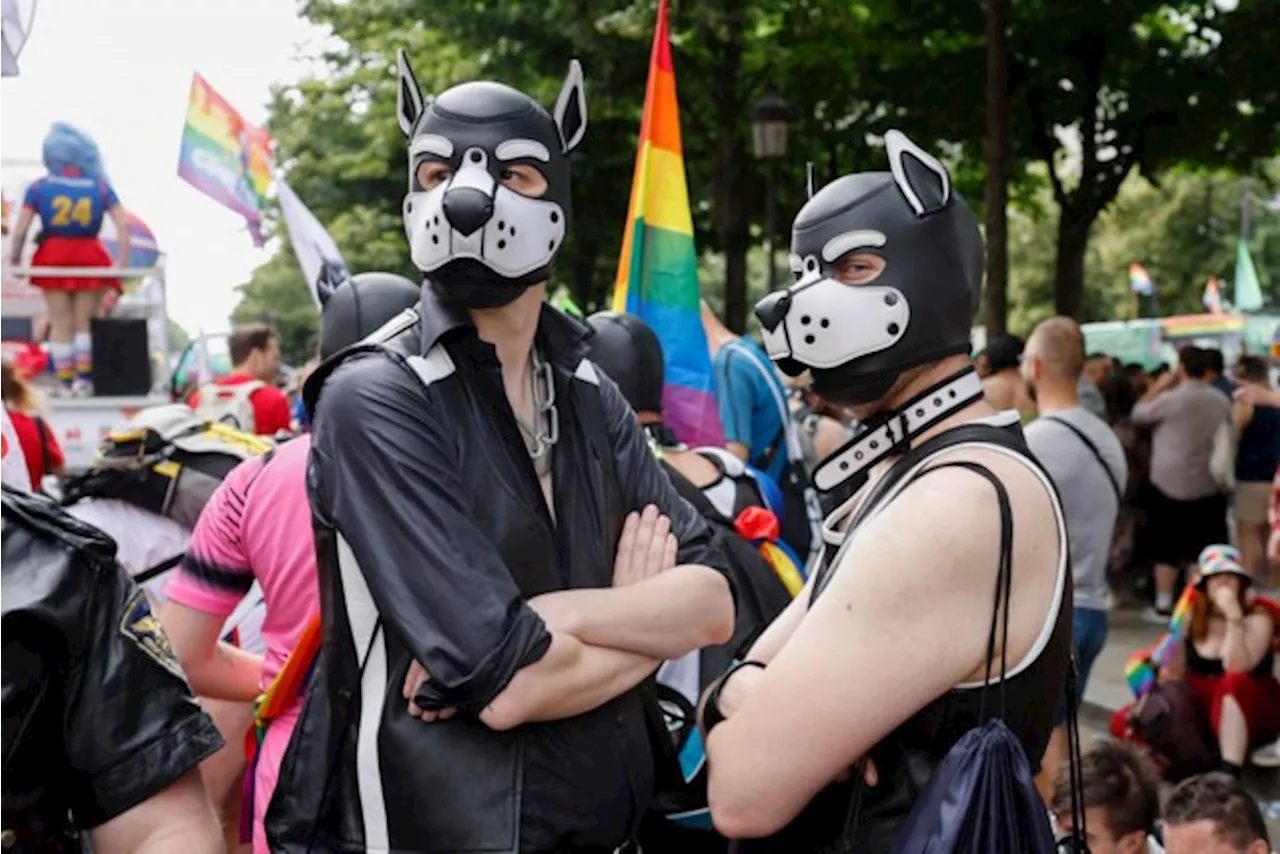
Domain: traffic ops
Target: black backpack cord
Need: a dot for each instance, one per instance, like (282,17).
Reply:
(1004,584)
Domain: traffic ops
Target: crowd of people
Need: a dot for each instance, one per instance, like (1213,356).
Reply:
(1158,471)
(482,598)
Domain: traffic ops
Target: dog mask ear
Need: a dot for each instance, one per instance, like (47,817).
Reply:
(409,101)
(922,180)
(571,109)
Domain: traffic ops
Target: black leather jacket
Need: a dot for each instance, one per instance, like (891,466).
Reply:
(98,716)
(432,532)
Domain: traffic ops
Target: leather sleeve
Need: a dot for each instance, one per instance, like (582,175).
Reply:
(385,475)
(644,482)
(131,724)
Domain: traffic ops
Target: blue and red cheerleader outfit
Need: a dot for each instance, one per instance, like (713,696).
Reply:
(71,207)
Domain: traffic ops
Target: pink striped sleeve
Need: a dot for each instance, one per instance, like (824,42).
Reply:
(215,573)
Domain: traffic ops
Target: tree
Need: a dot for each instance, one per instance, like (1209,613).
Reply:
(277,294)
(178,337)
(725,54)
(1183,231)
(1107,87)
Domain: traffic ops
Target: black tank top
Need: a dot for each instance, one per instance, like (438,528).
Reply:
(1202,665)
(906,757)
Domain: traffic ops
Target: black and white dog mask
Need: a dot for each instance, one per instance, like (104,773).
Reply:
(480,242)
(857,339)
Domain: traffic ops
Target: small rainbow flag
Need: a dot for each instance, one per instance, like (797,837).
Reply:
(1140,280)
(1212,298)
(658,268)
(1142,669)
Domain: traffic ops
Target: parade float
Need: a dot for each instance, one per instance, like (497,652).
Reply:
(133,330)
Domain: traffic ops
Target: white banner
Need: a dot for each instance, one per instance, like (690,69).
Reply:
(321,262)
(15,25)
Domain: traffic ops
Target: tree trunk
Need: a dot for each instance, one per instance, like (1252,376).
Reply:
(730,172)
(997,187)
(1068,279)
(587,286)
(732,224)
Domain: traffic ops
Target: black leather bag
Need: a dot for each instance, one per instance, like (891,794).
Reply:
(1170,722)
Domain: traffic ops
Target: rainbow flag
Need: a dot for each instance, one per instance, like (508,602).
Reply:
(1212,298)
(225,157)
(143,249)
(1140,280)
(1247,291)
(1142,669)
(658,268)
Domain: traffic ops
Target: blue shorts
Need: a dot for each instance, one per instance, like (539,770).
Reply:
(1088,635)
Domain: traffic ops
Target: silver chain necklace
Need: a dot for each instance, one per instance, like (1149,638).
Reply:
(540,439)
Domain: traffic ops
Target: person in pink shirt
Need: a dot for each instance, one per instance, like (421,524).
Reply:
(258,519)
(257,526)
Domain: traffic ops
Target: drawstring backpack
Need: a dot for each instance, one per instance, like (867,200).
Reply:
(981,796)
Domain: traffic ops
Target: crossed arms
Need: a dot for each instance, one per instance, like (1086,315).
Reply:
(388,479)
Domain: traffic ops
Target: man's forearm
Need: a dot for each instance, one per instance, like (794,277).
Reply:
(572,678)
(685,608)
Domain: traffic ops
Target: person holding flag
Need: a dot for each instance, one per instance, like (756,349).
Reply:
(1220,643)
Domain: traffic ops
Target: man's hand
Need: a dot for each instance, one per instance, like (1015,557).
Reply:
(869,773)
(1228,602)
(646,547)
(414,679)
(1164,382)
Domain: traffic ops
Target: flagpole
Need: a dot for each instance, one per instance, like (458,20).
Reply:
(1244,208)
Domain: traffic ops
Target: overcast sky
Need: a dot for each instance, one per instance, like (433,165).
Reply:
(121,70)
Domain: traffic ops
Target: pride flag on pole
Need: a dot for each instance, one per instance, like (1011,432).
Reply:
(225,157)
(1212,298)
(1140,280)
(322,264)
(1247,293)
(658,268)
(1142,670)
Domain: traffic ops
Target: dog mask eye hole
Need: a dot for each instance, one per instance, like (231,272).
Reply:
(524,179)
(859,268)
(433,173)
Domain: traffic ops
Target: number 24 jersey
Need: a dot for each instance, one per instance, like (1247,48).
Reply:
(70,205)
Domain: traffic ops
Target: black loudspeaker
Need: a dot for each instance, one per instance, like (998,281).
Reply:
(16,329)
(121,365)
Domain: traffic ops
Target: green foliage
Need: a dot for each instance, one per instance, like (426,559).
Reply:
(1167,83)
(178,337)
(1183,232)
(277,294)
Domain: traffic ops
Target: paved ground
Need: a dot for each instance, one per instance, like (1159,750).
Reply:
(1108,691)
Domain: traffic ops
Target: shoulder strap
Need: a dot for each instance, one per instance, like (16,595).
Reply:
(1003,593)
(159,569)
(1097,454)
(1006,437)
(393,337)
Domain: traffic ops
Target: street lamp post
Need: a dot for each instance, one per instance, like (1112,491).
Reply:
(769,122)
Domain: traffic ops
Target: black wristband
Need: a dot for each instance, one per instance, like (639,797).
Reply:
(711,714)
